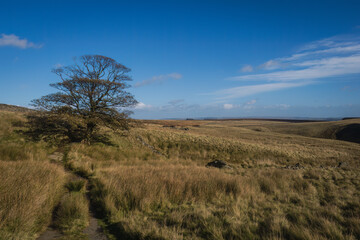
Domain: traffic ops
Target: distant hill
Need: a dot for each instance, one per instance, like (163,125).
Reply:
(349,133)
(346,130)
(13,108)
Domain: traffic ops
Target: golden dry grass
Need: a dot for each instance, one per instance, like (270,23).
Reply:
(72,214)
(173,196)
(240,143)
(29,191)
(30,186)
(193,202)
(13,145)
(145,195)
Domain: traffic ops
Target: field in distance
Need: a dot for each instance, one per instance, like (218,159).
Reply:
(285,180)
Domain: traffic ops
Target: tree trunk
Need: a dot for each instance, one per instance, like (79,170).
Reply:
(90,130)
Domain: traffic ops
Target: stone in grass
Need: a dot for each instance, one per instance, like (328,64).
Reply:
(218,164)
(342,164)
(295,167)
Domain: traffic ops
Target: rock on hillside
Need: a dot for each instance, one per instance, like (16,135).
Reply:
(218,164)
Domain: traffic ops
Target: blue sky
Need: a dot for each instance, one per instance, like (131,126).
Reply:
(194,58)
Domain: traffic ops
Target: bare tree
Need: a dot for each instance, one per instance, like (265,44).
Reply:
(91,90)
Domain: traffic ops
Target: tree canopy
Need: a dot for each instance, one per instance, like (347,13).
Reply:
(92,90)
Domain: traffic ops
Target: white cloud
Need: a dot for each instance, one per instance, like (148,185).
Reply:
(158,79)
(278,106)
(141,106)
(14,41)
(251,102)
(332,42)
(228,106)
(247,68)
(271,65)
(171,106)
(326,58)
(259,111)
(336,49)
(314,69)
(247,105)
(243,91)
(58,65)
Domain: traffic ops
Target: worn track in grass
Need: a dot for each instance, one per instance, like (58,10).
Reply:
(92,232)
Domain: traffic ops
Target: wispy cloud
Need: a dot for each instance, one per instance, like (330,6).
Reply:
(251,102)
(349,89)
(58,65)
(321,59)
(228,106)
(246,109)
(327,58)
(271,65)
(247,105)
(142,106)
(176,102)
(243,91)
(260,111)
(15,41)
(312,69)
(159,79)
(177,105)
(247,68)
(278,106)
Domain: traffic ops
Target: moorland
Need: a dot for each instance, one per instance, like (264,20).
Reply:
(285,180)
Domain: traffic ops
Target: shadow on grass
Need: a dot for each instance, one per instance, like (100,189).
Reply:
(58,130)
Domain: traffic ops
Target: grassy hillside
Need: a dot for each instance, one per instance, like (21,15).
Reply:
(12,108)
(317,129)
(171,195)
(30,186)
(29,191)
(152,182)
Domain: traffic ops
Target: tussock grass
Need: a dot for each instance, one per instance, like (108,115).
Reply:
(173,196)
(29,191)
(31,187)
(178,202)
(8,119)
(76,185)
(124,149)
(148,187)
(145,195)
(238,144)
(18,151)
(72,214)
(13,146)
